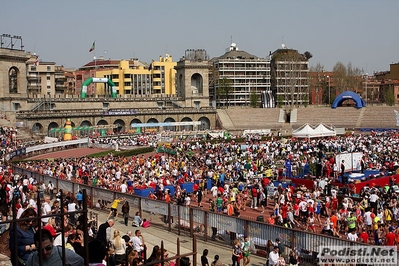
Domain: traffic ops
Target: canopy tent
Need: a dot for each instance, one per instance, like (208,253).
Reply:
(307,131)
(324,131)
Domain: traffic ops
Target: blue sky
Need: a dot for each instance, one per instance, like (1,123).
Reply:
(363,32)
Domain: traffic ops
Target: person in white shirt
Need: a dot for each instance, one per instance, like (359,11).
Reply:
(334,193)
(352,236)
(368,220)
(187,200)
(46,209)
(274,256)
(138,242)
(214,191)
(373,201)
(123,187)
(72,208)
(58,240)
(22,209)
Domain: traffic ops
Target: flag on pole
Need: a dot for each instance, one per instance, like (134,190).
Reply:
(36,63)
(93,46)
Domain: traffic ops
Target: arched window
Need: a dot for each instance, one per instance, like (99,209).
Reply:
(12,80)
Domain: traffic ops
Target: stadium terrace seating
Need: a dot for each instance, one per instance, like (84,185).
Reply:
(253,118)
(378,117)
(346,117)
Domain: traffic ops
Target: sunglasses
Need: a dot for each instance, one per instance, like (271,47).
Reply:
(48,248)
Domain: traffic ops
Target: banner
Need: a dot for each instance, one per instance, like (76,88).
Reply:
(223,222)
(154,206)
(351,161)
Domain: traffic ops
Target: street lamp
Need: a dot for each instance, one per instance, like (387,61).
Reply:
(366,77)
(329,94)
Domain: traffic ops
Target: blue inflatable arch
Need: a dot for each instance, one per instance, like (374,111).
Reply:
(348,95)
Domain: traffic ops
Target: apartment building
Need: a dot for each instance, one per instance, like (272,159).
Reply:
(289,75)
(131,77)
(248,77)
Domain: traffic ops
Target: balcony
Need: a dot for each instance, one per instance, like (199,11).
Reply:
(34,78)
(60,86)
(60,78)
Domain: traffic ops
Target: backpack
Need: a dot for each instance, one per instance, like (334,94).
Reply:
(17,193)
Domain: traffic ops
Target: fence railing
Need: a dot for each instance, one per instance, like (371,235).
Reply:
(206,224)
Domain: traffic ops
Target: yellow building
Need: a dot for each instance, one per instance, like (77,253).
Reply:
(157,78)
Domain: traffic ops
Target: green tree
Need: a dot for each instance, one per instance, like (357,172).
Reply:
(280,100)
(389,97)
(224,89)
(254,99)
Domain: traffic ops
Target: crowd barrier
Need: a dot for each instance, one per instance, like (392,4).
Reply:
(204,223)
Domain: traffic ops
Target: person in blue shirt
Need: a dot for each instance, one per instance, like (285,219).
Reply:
(79,198)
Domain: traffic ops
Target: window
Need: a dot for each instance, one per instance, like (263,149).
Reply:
(13,80)
(48,68)
(33,68)
(48,77)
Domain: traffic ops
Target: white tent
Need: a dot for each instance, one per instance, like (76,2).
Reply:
(323,131)
(306,131)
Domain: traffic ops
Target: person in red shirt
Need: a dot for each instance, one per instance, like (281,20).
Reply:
(272,219)
(334,204)
(390,238)
(284,210)
(265,181)
(167,196)
(310,208)
(254,192)
(195,187)
(364,236)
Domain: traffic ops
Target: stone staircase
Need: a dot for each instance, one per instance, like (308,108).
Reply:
(225,119)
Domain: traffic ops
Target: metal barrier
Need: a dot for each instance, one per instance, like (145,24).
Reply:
(209,225)
(37,221)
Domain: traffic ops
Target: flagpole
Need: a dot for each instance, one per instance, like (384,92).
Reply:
(95,67)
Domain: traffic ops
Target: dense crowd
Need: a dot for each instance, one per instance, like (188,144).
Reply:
(242,174)
(8,141)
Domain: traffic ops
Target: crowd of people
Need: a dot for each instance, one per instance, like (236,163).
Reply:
(127,140)
(68,231)
(8,141)
(241,175)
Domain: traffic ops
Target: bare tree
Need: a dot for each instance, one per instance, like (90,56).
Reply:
(340,77)
(316,81)
(347,77)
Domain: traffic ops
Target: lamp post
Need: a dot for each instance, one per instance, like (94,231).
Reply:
(329,94)
(366,77)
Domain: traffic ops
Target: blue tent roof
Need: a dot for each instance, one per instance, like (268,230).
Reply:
(348,95)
